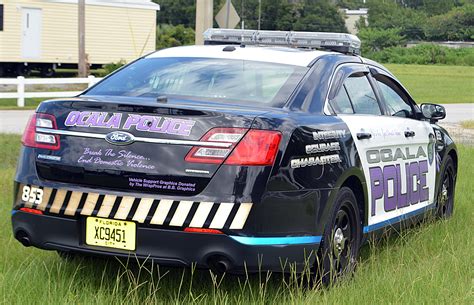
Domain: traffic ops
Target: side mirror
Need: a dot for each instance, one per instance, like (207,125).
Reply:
(433,112)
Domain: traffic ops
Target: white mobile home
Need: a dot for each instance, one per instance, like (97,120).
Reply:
(43,34)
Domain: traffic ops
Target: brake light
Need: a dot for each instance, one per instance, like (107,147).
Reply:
(32,138)
(32,211)
(216,155)
(257,147)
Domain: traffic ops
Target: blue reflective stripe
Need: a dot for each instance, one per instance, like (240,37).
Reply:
(397,219)
(290,240)
(14,212)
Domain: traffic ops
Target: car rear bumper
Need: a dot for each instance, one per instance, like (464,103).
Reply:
(173,247)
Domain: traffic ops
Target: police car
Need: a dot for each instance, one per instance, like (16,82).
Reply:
(257,151)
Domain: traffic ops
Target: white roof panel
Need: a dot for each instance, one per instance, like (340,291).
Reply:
(280,55)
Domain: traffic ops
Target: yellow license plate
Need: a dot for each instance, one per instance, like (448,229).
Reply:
(111,233)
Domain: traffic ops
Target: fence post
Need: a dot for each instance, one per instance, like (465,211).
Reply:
(91,81)
(21,91)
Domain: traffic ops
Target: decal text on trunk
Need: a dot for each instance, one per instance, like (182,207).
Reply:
(147,123)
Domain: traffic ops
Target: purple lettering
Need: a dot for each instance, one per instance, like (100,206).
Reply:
(155,127)
(92,119)
(72,118)
(390,173)
(376,185)
(144,121)
(132,119)
(413,176)
(82,116)
(402,197)
(424,191)
(114,121)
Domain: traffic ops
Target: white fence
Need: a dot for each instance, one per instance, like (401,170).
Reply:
(20,83)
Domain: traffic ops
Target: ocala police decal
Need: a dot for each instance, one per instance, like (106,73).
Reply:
(120,138)
(147,123)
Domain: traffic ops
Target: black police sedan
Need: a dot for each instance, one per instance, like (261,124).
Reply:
(252,153)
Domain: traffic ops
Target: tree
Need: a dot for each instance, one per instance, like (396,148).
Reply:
(177,12)
(374,40)
(457,24)
(172,36)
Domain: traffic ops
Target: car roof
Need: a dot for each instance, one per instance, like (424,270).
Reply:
(279,55)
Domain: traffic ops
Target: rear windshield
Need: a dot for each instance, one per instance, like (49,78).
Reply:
(233,81)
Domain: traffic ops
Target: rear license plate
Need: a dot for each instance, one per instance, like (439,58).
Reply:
(111,233)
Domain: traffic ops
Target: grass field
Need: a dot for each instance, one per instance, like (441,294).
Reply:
(428,264)
(435,84)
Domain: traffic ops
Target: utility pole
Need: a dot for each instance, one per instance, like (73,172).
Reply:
(82,38)
(204,18)
(259,14)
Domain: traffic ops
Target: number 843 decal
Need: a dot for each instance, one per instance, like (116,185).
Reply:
(32,194)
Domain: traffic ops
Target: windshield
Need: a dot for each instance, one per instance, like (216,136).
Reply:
(226,80)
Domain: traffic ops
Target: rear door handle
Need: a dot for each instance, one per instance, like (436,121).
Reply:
(409,134)
(364,135)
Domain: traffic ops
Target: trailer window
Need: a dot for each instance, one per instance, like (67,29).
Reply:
(1,17)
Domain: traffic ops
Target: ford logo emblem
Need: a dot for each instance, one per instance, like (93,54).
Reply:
(120,138)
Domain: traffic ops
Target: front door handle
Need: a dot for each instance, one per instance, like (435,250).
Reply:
(364,135)
(409,134)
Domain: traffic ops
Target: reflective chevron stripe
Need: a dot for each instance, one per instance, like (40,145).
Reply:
(147,210)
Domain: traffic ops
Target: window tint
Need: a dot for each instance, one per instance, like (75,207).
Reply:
(341,102)
(225,80)
(396,105)
(361,95)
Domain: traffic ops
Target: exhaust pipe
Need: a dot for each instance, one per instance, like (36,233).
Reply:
(23,238)
(219,264)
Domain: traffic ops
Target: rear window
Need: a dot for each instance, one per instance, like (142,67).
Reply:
(233,81)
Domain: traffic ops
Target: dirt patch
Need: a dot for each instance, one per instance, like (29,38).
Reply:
(459,134)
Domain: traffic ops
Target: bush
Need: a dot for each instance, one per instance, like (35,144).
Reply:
(173,36)
(457,24)
(378,39)
(111,67)
(424,54)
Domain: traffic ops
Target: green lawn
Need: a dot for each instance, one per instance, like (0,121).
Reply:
(429,264)
(436,84)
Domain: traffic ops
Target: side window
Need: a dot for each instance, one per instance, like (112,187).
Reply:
(362,95)
(341,102)
(396,105)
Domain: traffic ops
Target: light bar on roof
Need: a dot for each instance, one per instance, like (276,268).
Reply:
(339,42)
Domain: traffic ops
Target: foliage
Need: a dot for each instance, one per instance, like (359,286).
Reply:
(111,67)
(172,36)
(177,12)
(424,19)
(374,39)
(389,15)
(424,54)
(457,24)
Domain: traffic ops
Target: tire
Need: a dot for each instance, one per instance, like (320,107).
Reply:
(340,244)
(445,198)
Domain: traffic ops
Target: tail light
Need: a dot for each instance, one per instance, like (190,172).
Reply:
(32,138)
(249,147)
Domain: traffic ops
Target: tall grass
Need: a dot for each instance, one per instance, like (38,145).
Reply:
(427,264)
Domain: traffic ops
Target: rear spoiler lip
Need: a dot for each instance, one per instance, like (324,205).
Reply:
(136,139)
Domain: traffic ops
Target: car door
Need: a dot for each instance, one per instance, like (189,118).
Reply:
(394,147)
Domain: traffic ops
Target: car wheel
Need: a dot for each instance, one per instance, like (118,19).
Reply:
(340,244)
(445,199)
